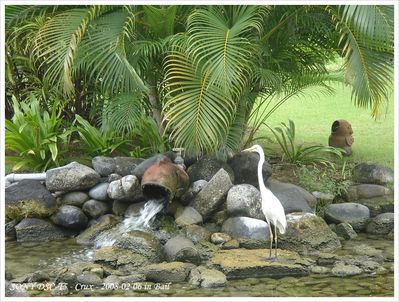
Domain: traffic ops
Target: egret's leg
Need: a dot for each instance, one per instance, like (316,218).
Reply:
(271,238)
(275,240)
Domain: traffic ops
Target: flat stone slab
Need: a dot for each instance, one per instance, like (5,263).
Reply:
(241,263)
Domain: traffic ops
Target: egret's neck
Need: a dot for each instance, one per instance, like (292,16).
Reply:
(260,166)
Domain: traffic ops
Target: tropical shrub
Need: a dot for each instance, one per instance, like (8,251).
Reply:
(299,154)
(35,136)
(95,142)
(198,71)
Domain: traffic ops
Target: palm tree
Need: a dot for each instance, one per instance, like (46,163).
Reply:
(205,72)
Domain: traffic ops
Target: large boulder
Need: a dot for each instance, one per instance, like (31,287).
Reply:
(245,167)
(28,198)
(167,272)
(355,214)
(70,217)
(126,165)
(240,264)
(94,208)
(127,188)
(213,194)
(361,191)
(99,192)
(72,177)
(206,167)
(244,200)
(104,223)
(142,243)
(73,199)
(278,187)
(180,248)
(378,205)
(247,228)
(35,229)
(292,199)
(103,165)
(144,165)
(207,278)
(307,233)
(382,224)
(370,173)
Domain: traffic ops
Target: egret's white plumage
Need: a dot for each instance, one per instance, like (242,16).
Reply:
(271,206)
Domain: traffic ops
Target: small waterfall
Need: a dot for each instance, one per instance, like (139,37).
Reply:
(142,221)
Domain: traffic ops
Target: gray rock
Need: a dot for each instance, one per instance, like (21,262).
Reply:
(99,192)
(59,290)
(127,188)
(105,222)
(212,227)
(103,165)
(89,279)
(382,224)
(367,252)
(116,257)
(356,192)
(206,250)
(39,276)
(181,249)
(167,272)
(141,243)
(346,231)
(292,200)
(28,198)
(192,191)
(231,244)
(187,216)
(277,186)
(127,165)
(220,238)
(144,165)
(245,227)
(70,217)
(353,213)
(94,208)
(119,207)
(245,165)
(113,280)
(10,233)
(212,196)
(316,269)
(244,200)
(73,199)
(370,173)
(307,233)
(72,177)
(341,269)
(206,167)
(112,177)
(207,278)
(34,229)
(321,196)
(378,205)
(196,233)
(12,290)
(240,264)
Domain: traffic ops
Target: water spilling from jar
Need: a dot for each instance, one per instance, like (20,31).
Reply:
(141,221)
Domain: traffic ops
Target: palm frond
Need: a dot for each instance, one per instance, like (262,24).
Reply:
(197,111)
(222,46)
(58,41)
(160,20)
(123,113)
(366,39)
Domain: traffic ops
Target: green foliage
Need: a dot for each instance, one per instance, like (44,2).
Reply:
(327,180)
(96,142)
(299,154)
(36,136)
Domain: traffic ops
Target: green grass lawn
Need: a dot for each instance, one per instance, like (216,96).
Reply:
(313,117)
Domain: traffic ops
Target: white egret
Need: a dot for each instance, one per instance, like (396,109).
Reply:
(271,206)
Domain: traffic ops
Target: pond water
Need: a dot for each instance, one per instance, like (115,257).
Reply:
(24,258)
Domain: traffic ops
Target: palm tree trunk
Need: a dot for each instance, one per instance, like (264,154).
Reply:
(156,107)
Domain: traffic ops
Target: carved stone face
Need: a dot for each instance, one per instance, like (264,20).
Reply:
(341,127)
